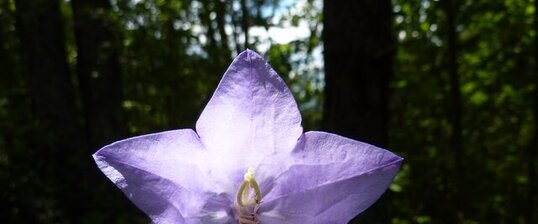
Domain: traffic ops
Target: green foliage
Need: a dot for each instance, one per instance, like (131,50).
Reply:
(495,42)
(176,51)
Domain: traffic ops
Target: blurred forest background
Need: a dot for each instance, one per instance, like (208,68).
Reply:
(451,85)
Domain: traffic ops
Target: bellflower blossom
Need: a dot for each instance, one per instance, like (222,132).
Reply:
(249,161)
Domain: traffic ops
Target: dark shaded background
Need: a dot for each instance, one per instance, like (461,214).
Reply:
(451,85)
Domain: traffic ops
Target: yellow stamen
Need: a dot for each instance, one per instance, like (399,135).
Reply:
(244,190)
(248,207)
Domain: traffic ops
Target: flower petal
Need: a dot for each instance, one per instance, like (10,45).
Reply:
(330,179)
(158,172)
(251,114)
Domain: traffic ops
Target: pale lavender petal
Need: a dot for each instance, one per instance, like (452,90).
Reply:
(251,114)
(328,179)
(160,174)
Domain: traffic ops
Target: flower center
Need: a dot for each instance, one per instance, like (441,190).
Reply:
(248,202)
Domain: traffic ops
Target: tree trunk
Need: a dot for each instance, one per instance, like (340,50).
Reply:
(245,22)
(98,71)
(220,10)
(45,69)
(456,111)
(533,149)
(359,54)
(8,58)
(55,137)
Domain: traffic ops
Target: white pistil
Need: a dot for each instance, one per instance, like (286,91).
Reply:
(247,208)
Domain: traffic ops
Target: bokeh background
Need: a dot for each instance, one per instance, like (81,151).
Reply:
(451,85)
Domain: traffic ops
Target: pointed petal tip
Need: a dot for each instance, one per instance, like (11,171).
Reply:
(97,153)
(248,51)
(250,55)
(101,151)
(396,161)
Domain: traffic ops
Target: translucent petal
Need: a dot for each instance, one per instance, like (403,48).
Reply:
(330,179)
(252,114)
(161,174)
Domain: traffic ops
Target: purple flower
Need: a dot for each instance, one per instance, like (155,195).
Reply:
(249,161)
